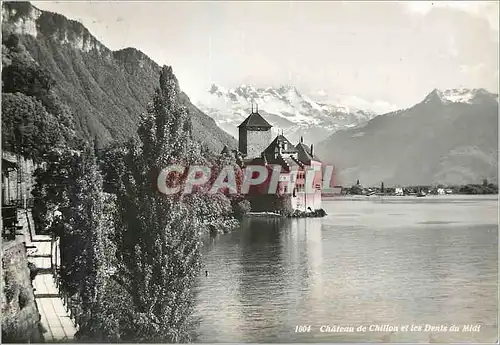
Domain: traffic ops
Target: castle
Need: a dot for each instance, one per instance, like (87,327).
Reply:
(257,147)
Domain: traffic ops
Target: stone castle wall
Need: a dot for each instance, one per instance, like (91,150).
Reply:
(242,140)
(20,316)
(302,200)
(257,141)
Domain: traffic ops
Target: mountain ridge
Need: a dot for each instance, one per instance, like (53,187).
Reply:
(462,95)
(448,137)
(106,90)
(285,107)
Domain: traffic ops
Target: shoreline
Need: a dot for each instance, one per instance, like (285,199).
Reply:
(319,213)
(406,197)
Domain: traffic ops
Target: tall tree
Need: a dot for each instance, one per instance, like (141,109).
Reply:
(72,184)
(99,308)
(160,243)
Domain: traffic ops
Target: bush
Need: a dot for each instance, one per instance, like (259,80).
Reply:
(284,204)
(33,270)
(302,214)
(478,189)
(23,299)
(12,41)
(11,288)
(30,80)
(241,208)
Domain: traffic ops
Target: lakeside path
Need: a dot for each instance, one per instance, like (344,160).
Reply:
(54,317)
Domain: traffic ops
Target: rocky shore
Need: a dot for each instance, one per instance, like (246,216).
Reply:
(308,214)
(294,214)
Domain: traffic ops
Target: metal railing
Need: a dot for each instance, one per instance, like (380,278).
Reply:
(72,303)
(21,203)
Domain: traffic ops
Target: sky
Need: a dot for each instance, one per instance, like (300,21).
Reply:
(395,52)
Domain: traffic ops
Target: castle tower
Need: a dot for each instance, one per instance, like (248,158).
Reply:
(254,135)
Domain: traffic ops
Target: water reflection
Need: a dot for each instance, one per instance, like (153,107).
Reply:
(312,230)
(262,282)
(395,264)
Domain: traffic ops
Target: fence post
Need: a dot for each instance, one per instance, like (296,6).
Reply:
(52,253)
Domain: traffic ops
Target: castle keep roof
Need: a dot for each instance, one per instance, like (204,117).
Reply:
(254,120)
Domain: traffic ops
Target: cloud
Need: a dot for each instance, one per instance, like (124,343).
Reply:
(452,46)
(355,102)
(485,9)
(472,69)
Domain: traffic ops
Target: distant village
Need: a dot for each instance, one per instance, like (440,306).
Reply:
(359,189)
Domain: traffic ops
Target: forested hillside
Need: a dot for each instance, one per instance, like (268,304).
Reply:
(106,91)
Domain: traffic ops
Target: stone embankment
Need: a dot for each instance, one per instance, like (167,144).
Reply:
(32,308)
(20,315)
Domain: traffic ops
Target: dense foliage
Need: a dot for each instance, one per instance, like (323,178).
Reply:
(33,119)
(159,235)
(74,208)
(478,189)
(121,237)
(129,254)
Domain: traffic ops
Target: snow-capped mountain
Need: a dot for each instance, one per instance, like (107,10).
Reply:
(285,108)
(468,96)
(353,102)
(450,137)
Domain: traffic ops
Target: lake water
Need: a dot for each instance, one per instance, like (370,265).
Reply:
(372,261)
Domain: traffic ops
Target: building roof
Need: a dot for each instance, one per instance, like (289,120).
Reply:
(286,163)
(297,162)
(255,161)
(255,120)
(276,144)
(291,164)
(7,164)
(226,150)
(305,153)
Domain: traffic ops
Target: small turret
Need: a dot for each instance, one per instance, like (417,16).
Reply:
(225,150)
(264,159)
